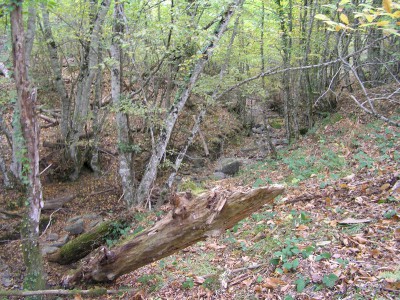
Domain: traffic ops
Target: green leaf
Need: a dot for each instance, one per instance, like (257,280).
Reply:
(330,280)
(275,261)
(325,255)
(188,283)
(322,17)
(300,284)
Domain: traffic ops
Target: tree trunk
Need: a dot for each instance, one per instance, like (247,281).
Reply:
(30,134)
(183,94)
(190,221)
(57,73)
(268,138)
(124,141)
(85,80)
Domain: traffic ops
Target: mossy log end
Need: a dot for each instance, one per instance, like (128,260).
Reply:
(81,246)
(190,221)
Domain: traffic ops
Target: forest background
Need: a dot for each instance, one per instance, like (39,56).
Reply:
(143,76)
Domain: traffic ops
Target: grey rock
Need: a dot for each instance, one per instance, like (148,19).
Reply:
(74,219)
(76,227)
(219,176)
(52,237)
(91,216)
(231,168)
(47,249)
(61,241)
(258,129)
(5,279)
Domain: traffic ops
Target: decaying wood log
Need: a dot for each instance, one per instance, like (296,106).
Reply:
(57,202)
(190,221)
(84,244)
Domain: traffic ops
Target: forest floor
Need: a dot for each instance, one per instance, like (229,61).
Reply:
(334,234)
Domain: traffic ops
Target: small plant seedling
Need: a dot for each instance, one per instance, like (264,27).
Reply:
(389,214)
(330,280)
(301,283)
(325,255)
(188,283)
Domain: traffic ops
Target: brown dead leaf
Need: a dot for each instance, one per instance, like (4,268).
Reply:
(328,201)
(302,227)
(140,295)
(360,239)
(258,289)
(248,281)
(272,283)
(78,297)
(215,246)
(385,187)
(199,279)
(397,233)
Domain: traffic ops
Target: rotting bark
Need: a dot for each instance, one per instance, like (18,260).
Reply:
(81,246)
(190,221)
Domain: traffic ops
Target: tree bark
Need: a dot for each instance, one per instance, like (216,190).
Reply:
(85,80)
(190,221)
(30,171)
(57,73)
(124,141)
(144,188)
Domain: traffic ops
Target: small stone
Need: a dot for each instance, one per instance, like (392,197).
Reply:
(47,249)
(52,237)
(219,176)
(231,169)
(91,216)
(73,219)
(75,228)
(62,241)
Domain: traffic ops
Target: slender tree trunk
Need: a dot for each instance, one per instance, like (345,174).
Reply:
(82,99)
(124,141)
(30,133)
(265,119)
(57,73)
(182,95)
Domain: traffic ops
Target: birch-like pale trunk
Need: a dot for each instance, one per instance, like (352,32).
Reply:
(150,174)
(30,134)
(82,99)
(57,73)
(124,141)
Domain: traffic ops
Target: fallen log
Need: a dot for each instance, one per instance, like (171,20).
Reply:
(190,221)
(81,246)
(57,203)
